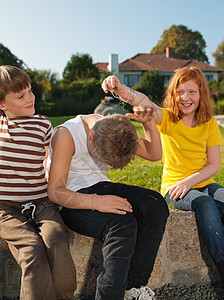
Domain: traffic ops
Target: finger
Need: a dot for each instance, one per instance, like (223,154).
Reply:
(132,116)
(183,194)
(104,86)
(177,195)
(119,212)
(124,205)
(172,193)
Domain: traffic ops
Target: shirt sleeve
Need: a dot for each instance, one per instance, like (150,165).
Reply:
(162,127)
(48,133)
(215,136)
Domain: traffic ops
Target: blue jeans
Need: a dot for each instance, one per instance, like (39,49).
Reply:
(130,242)
(208,205)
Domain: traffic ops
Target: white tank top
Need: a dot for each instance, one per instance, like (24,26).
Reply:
(84,169)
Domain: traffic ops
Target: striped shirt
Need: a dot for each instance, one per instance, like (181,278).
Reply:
(22,152)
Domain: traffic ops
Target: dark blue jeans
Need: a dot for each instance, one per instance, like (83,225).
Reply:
(130,242)
(208,205)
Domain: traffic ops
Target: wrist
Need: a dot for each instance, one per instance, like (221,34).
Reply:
(91,204)
(149,124)
(128,95)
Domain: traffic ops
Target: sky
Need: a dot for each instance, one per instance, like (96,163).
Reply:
(46,33)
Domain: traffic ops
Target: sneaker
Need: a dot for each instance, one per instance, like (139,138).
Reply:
(142,293)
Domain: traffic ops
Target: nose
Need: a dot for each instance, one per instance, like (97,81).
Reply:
(185,96)
(31,97)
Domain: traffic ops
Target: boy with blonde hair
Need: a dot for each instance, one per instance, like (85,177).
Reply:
(129,220)
(29,222)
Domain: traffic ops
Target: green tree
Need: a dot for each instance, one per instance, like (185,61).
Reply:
(219,55)
(43,82)
(7,58)
(80,67)
(186,44)
(152,85)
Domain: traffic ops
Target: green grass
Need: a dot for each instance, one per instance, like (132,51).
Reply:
(140,171)
(59,120)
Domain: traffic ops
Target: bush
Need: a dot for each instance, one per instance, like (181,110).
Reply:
(78,97)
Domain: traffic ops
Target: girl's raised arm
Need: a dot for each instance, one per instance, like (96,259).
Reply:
(126,94)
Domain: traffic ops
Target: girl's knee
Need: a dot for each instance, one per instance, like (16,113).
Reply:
(203,203)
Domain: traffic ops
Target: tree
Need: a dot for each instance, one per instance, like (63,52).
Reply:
(43,82)
(152,85)
(219,55)
(186,44)
(80,67)
(7,58)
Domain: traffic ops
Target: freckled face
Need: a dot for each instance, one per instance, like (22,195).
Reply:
(19,104)
(188,97)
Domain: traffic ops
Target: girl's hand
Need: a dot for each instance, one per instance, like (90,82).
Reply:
(179,190)
(112,84)
(111,204)
(142,114)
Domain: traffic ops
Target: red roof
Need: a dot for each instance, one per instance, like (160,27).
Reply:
(162,63)
(143,62)
(102,67)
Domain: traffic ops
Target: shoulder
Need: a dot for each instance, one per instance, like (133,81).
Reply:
(165,120)
(62,136)
(92,118)
(41,119)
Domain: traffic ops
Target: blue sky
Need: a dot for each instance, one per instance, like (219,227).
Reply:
(46,33)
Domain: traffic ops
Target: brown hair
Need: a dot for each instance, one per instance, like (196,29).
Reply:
(12,80)
(115,140)
(204,112)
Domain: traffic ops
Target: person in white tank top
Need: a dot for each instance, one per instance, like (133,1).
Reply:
(129,220)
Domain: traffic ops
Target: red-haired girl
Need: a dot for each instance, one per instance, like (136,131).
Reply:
(191,153)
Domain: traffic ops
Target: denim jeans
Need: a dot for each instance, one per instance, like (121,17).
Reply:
(208,205)
(130,242)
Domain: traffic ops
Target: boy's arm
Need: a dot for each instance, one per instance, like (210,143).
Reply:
(46,156)
(63,150)
(134,98)
(150,147)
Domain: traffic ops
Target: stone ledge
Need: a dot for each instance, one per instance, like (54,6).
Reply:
(182,258)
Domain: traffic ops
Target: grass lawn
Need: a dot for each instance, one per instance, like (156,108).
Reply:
(140,171)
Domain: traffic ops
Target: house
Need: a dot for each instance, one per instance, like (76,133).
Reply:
(131,70)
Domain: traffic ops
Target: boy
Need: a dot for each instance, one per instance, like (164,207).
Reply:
(129,220)
(29,222)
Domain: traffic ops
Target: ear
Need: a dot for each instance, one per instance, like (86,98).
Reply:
(91,135)
(2,106)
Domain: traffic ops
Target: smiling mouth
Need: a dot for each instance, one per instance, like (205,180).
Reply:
(186,104)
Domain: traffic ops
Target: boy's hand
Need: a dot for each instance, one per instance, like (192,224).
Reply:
(111,204)
(142,114)
(112,84)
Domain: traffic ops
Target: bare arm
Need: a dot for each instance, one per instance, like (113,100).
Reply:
(112,84)
(213,164)
(150,147)
(46,156)
(63,150)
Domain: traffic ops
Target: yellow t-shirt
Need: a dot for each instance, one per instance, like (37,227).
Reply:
(184,149)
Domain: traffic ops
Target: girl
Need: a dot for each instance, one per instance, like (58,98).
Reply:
(191,153)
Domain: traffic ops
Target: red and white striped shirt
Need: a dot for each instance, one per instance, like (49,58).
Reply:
(22,152)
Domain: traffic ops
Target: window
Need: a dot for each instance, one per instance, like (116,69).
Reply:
(132,79)
(209,77)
